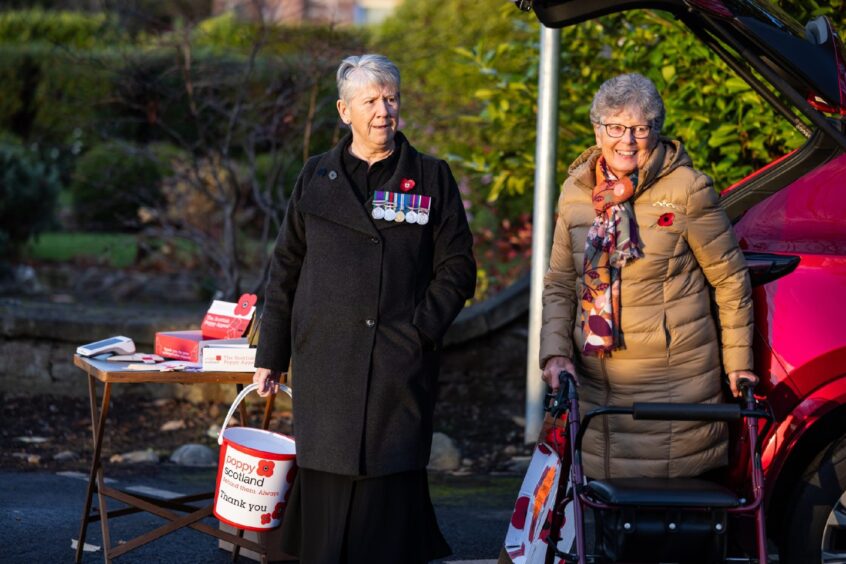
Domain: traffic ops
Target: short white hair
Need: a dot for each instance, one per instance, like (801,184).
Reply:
(366,69)
(629,91)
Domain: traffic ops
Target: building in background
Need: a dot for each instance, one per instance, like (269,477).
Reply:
(342,12)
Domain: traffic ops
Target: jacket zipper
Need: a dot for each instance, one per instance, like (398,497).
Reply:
(606,435)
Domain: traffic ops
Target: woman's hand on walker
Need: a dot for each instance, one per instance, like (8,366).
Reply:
(267,380)
(734,381)
(553,367)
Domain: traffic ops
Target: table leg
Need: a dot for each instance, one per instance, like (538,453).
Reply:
(192,520)
(96,473)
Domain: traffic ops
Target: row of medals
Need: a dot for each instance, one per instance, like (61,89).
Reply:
(389,214)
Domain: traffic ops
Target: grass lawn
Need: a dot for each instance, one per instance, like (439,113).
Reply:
(475,490)
(115,249)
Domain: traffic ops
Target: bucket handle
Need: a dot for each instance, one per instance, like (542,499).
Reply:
(238,399)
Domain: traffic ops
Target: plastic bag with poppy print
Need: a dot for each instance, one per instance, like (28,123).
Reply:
(532,519)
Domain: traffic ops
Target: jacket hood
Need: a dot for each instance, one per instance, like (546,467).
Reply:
(666,156)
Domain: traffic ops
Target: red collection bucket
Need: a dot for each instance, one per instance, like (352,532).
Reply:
(254,474)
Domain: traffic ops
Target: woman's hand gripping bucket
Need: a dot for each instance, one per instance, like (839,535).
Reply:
(254,475)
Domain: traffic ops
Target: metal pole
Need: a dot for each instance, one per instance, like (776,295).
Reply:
(545,188)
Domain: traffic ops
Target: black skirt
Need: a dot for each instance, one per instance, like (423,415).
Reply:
(332,519)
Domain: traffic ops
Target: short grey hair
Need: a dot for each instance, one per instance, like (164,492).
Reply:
(366,69)
(629,91)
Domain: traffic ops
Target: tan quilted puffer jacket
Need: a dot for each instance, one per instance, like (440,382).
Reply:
(672,346)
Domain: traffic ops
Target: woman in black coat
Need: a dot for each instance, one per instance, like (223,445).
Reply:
(372,264)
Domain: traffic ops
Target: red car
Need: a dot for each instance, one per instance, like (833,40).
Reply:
(790,219)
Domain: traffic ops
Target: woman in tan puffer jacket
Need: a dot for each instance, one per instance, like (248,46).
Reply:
(639,243)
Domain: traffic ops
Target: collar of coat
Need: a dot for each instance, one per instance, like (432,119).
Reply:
(666,156)
(329,194)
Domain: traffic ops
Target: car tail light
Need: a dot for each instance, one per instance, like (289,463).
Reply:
(766,267)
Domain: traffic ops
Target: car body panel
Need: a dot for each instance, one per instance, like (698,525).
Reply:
(799,343)
(788,433)
(806,217)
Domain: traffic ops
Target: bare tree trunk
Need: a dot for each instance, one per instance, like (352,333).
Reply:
(312,108)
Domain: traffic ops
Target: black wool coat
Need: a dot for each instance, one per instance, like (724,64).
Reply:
(359,306)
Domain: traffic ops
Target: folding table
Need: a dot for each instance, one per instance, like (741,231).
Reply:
(177,512)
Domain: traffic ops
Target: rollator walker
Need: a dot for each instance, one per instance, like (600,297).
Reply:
(654,519)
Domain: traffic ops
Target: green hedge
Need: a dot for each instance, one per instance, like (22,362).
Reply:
(70,29)
(62,73)
(226,32)
(47,94)
(15,70)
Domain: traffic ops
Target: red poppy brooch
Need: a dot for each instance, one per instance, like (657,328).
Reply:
(666,219)
(245,304)
(407,184)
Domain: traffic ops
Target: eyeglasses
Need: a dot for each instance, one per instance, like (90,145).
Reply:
(618,130)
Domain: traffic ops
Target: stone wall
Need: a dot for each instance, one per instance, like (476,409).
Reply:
(483,360)
(38,340)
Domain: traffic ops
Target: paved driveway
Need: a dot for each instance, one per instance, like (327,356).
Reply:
(40,512)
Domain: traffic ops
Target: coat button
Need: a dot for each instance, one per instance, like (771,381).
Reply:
(374,240)
(333,175)
(370,322)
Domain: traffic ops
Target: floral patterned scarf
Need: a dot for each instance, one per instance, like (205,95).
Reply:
(611,241)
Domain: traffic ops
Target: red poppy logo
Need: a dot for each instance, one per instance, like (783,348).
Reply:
(245,304)
(265,468)
(407,184)
(666,219)
(277,511)
(265,518)
(521,509)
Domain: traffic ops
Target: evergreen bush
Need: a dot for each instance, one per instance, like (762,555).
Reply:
(111,182)
(28,190)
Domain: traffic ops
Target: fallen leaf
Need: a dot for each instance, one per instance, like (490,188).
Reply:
(173,425)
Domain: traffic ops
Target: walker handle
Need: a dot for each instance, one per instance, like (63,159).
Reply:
(238,399)
(747,389)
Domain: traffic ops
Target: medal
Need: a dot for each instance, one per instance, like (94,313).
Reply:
(400,217)
(379,201)
(391,204)
(423,210)
(411,217)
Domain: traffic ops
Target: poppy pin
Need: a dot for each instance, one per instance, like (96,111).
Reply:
(407,184)
(666,219)
(245,304)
